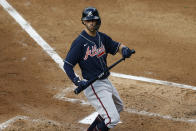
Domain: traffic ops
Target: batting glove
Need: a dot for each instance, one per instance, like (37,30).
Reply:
(126,52)
(78,82)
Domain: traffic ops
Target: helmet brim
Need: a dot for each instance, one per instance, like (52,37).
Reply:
(91,18)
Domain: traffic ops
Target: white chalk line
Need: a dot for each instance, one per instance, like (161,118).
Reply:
(62,96)
(12,120)
(6,124)
(89,119)
(51,52)
(144,79)
(168,117)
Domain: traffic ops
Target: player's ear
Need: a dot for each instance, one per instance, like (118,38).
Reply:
(83,22)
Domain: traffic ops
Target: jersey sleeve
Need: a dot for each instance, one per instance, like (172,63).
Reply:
(74,54)
(112,46)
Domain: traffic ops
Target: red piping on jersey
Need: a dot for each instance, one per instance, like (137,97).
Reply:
(101,104)
(101,54)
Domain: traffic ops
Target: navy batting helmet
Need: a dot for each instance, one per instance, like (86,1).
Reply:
(91,13)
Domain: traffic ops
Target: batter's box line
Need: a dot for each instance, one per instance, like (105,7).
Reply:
(87,120)
(7,123)
(62,96)
(12,120)
(168,117)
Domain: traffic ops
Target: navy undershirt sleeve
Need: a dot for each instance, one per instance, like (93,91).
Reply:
(73,57)
(69,71)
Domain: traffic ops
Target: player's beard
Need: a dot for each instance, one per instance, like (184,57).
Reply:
(91,28)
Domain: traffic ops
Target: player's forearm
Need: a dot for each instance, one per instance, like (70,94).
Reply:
(120,48)
(69,70)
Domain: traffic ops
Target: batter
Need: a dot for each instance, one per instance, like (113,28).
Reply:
(90,50)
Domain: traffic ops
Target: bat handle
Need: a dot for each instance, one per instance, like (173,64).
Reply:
(81,88)
(78,90)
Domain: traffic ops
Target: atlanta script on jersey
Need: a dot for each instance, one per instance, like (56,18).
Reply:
(94,51)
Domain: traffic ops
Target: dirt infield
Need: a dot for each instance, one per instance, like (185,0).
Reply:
(163,33)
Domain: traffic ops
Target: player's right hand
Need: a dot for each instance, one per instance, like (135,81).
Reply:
(79,83)
(126,52)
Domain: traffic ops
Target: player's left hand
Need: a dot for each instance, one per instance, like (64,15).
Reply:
(79,83)
(126,52)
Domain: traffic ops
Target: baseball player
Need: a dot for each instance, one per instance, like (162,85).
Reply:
(90,50)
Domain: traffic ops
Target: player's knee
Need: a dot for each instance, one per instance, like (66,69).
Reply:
(120,108)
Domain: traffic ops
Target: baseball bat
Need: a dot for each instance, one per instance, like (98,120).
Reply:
(89,82)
